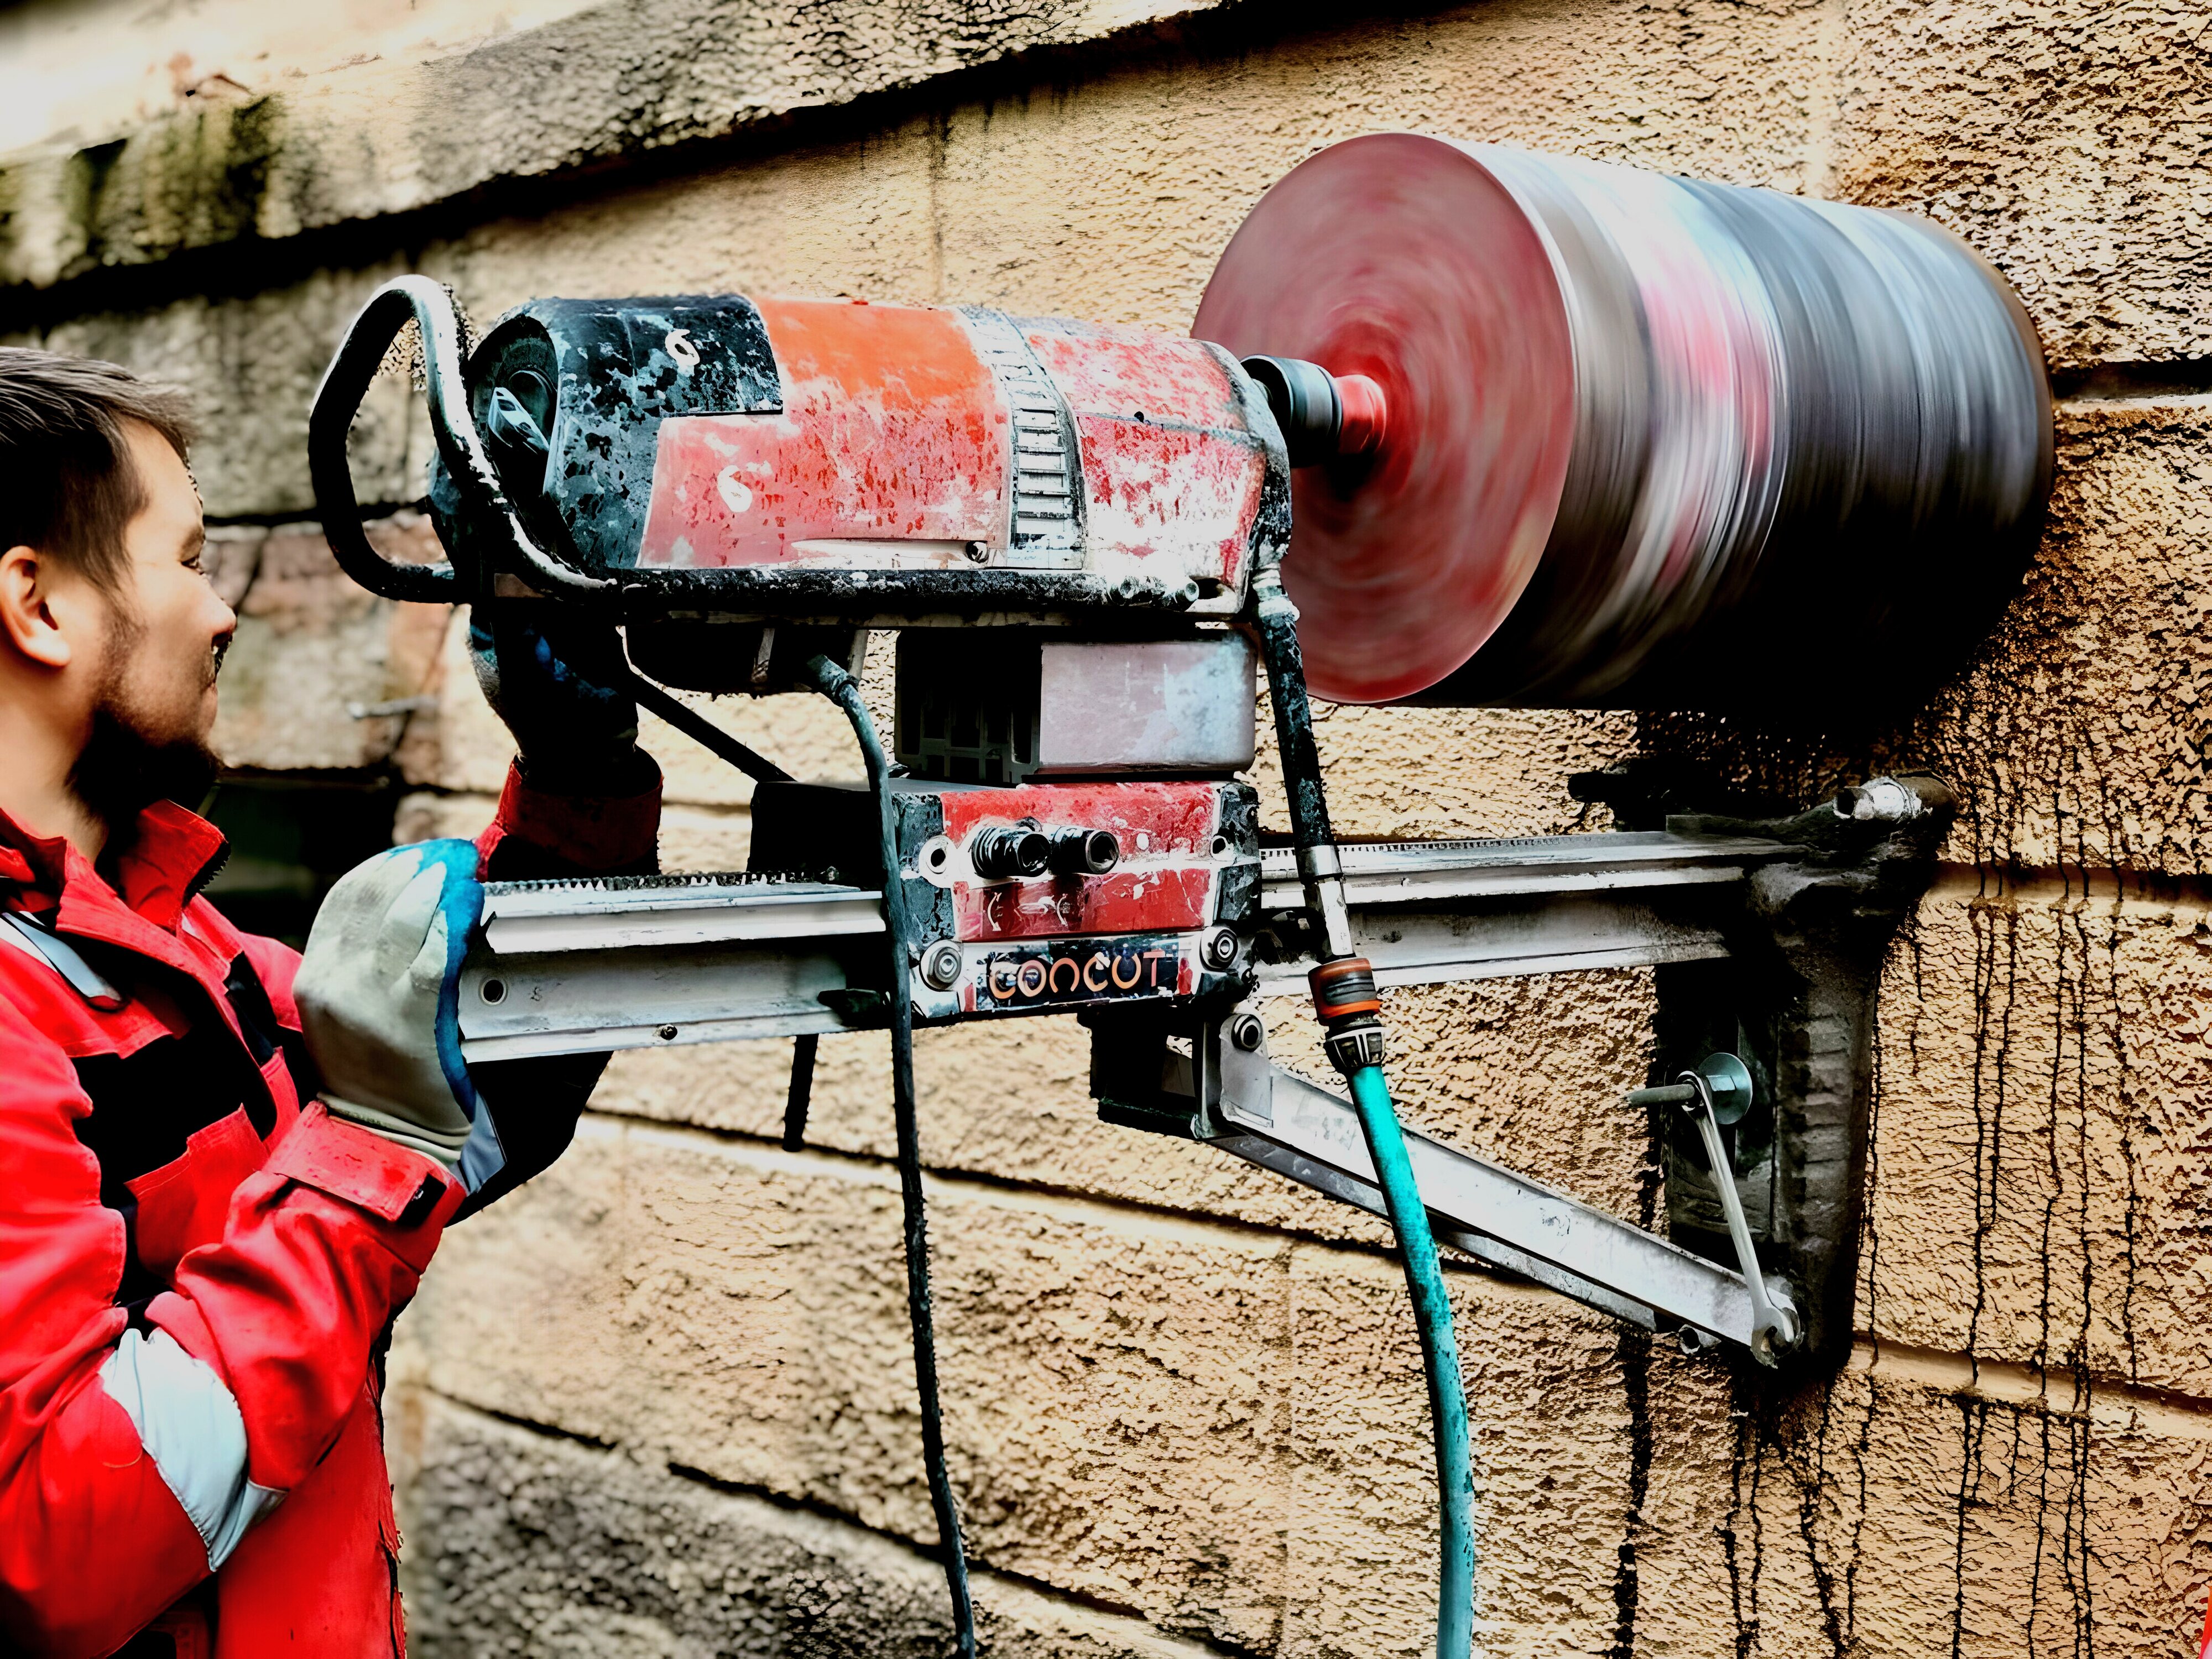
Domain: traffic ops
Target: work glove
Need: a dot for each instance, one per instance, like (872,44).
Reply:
(561,683)
(379,993)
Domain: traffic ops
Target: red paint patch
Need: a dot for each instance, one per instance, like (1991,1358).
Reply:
(892,429)
(1169,490)
(1165,882)
(1128,372)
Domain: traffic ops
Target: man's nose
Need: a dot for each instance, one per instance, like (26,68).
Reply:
(224,632)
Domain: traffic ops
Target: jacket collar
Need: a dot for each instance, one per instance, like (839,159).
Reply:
(154,865)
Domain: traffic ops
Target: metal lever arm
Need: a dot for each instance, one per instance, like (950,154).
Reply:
(1312,1135)
(1720,1086)
(1772,1327)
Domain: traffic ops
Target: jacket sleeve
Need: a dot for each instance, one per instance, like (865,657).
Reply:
(137,1447)
(538,834)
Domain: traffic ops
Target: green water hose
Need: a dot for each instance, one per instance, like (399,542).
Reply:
(1425,1281)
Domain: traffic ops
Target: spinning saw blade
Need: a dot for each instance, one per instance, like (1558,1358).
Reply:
(1650,441)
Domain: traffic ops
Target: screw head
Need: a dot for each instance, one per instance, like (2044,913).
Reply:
(1248,1032)
(940,965)
(1221,948)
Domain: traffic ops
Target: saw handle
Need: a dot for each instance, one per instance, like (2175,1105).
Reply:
(483,501)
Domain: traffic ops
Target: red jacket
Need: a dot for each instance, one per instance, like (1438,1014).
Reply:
(199,1268)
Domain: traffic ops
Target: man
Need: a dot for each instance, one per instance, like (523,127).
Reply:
(205,1236)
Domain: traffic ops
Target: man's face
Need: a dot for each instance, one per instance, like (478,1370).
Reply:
(167,629)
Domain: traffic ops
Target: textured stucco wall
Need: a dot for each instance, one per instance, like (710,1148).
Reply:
(661,1402)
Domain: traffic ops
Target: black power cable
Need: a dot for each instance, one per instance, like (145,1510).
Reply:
(802,1091)
(703,731)
(835,683)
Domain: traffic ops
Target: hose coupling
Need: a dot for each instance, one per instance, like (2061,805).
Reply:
(1270,603)
(1350,1010)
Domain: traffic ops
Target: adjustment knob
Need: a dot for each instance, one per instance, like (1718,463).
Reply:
(1007,851)
(1085,852)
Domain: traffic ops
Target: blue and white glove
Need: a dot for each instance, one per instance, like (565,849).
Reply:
(379,993)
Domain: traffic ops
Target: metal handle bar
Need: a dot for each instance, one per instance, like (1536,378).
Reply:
(483,501)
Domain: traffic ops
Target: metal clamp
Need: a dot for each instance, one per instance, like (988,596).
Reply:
(1718,1090)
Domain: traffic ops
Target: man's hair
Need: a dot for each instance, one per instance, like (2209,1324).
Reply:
(67,485)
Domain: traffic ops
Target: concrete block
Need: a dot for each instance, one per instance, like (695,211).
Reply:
(2078,730)
(1915,1504)
(2062,141)
(1224,1431)
(610,82)
(702,838)
(1112,197)
(1151,1413)
(252,364)
(743,1312)
(853,217)
(2038,1170)
(525,1542)
(1483,771)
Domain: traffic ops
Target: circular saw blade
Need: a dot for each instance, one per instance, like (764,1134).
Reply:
(1404,258)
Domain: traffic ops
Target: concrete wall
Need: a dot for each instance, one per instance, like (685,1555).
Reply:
(661,1402)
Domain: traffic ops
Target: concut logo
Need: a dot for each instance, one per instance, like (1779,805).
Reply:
(1081,971)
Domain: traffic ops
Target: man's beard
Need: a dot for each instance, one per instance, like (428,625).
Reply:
(131,761)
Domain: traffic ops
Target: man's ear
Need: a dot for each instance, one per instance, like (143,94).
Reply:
(27,613)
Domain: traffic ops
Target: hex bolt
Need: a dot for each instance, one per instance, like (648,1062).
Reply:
(1248,1032)
(940,965)
(1221,950)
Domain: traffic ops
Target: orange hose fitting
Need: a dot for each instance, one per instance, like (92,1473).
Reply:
(1344,987)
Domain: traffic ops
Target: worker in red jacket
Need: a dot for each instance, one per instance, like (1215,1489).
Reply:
(212,1209)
